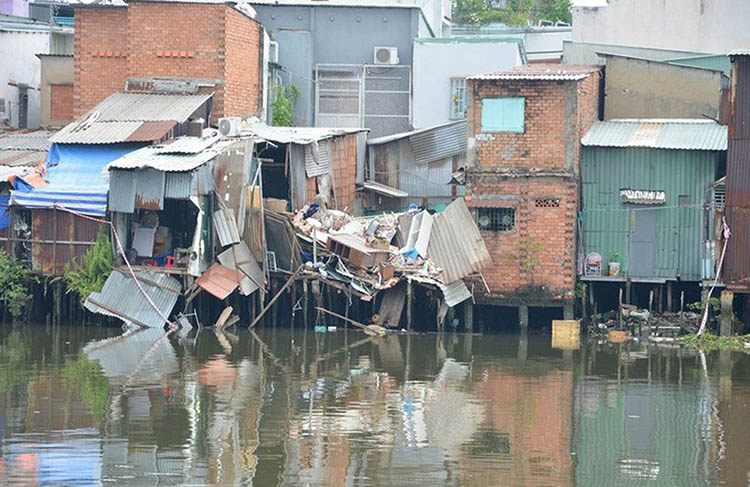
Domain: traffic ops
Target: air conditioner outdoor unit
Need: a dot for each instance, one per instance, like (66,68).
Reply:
(230,126)
(386,55)
(273,51)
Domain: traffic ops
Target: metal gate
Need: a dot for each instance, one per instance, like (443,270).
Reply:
(377,97)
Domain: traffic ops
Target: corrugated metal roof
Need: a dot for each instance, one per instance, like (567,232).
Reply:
(21,158)
(297,135)
(320,166)
(456,245)
(740,52)
(439,142)
(565,72)
(187,145)
(686,134)
(178,185)
(149,189)
(148,107)
(384,190)
(154,158)
(132,117)
(455,292)
(121,191)
(121,298)
(37,140)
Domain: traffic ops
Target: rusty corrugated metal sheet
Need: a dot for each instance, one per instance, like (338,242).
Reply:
(149,189)
(120,297)
(737,207)
(59,237)
(219,281)
(149,131)
(456,245)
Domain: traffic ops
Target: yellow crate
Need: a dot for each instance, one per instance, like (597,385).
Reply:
(566,334)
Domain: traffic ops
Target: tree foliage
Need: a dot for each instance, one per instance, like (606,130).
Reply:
(515,12)
(90,276)
(15,280)
(283,105)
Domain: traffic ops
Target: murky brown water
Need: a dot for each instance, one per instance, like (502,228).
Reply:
(81,406)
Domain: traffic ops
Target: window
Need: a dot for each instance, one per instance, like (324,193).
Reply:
(503,114)
(496,219)
(458,99)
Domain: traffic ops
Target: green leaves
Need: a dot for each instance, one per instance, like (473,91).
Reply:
(91,275)
(15,280)
(516,12)
(283,106)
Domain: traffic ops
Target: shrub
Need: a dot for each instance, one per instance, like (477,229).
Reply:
(15,280)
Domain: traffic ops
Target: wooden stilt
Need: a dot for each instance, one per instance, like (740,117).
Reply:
(409,303)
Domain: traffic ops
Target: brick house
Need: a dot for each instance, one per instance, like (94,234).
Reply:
(211,46)
(526,124)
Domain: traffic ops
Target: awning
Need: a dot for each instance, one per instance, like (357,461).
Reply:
(384,190)
(74,173)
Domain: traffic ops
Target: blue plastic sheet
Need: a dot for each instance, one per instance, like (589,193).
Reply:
(76,182)
(4,201)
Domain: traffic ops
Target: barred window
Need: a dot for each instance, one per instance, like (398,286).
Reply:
(496,219)
(547,203)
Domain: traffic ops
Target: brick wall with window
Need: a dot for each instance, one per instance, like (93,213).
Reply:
(527,134)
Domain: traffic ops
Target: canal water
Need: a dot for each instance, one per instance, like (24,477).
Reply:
(86,406)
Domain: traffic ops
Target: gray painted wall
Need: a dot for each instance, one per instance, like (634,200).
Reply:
(637,88)
(337,35)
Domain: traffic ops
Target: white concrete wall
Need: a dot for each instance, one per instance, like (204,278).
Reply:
(711,26)
(19,64)
(436,63)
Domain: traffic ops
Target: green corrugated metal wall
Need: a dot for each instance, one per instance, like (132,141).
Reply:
(680,230)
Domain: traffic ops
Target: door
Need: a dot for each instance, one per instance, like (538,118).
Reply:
(643,242)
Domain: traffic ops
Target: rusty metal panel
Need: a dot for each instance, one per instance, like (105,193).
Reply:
(232,173)
(121,191)
(456,245)
(149,131)
(239,258)
(59,237)
(149,189)
(738,173)
(219,281)
(737,265)
(740,98)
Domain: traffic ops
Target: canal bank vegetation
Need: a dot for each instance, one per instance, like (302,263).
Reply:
(708,342)
(15,285)
(89,276)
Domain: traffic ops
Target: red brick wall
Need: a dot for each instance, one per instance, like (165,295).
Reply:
(100,60)
(61,103)
(538,257)
(150,39)
(244,76)
(343,152)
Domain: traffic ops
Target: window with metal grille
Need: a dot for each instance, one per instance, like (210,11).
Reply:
(547,203)
(458,99)
(496,219)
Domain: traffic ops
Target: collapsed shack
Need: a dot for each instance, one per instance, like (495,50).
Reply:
(301,164)
(379,260)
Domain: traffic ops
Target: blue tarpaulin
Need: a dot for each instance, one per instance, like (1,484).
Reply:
(4,200)
(74,173)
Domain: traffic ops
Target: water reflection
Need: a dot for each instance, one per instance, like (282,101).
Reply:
(288,407)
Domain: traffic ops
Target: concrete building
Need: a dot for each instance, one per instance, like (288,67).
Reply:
(441,66)
(526,124)
(643,88)
(714,26)
(170,46)
(56,90)
(351,63)
(21,39)
(541,44)
(18,8)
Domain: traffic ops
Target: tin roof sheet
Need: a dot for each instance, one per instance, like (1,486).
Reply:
(131,117)
(21,158)
(320,166)
(187,145)
(297,135)
(456,245)
(455,292)
(149,157)
(688,134)
(219,281)
(121,298)
(226,227)
(743,51)
(384,190)
(567,72)
(239,258)
(439,142)
(36,141)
